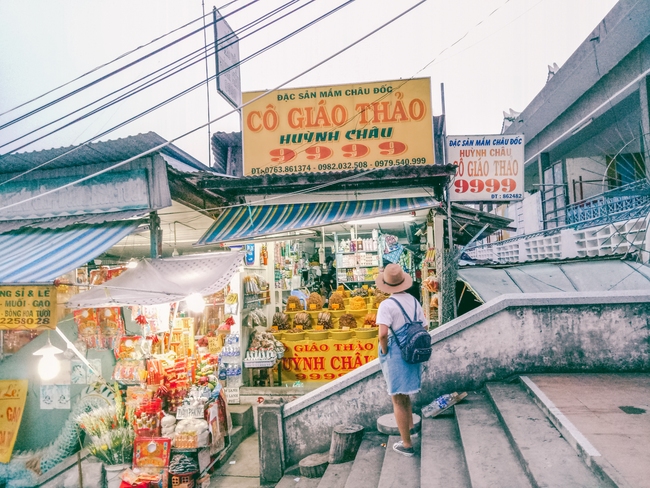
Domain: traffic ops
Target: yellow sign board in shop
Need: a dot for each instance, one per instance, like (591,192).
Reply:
(359,126)
(327,359)
(27,307)
(12,403)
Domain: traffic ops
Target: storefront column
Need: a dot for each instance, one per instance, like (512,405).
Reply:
(155,235)
(644,94)
(271,442)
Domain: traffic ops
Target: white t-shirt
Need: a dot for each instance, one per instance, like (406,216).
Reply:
(390,314)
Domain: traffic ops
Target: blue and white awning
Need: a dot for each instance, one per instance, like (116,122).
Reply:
(247,222)
(31,255)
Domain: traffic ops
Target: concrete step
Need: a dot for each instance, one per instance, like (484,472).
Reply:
(399,471)
(491,460)
(547,458)
(366,468)
(242,415)
(293,481)
(442,460)
(336,475)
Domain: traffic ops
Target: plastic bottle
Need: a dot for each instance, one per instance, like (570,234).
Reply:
(439,403)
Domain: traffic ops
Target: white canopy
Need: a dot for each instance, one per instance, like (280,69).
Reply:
(156,281)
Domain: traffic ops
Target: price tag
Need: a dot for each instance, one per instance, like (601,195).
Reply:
(292,306)
(312,306)
(345,328)
(334,306)
(274,328)
(190,412)
(365,287)
(318,327)
(214,345)
(232,395)
(299,327)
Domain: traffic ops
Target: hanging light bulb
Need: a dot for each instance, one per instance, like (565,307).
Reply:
(195,302)
(133,263)
(49,366)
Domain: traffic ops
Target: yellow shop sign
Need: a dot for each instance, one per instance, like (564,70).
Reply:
(27,307)
(327,359)
(12,403)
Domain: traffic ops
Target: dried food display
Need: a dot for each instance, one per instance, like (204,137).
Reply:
(337,299)
(380,297)
(302,319)
(325,320)
(370,320)
(280,320)
(359,292)
(347,321)
(314,302)
(294,304)
(357,303)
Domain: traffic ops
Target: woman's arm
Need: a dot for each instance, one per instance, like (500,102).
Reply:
(383,338)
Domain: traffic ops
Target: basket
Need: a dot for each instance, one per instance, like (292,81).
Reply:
(317,335)
(293,336)
(278,335)
(184,480)
(341,335)
(366,332)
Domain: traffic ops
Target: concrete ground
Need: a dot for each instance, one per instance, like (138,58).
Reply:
(612,411)
(242,470)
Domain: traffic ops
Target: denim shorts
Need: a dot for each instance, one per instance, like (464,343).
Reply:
(401,377)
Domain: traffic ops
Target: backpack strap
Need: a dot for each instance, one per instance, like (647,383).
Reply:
(406,317)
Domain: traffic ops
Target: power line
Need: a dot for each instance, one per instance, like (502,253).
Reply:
(151,82)
(235,110)
(106,76)
(180,94)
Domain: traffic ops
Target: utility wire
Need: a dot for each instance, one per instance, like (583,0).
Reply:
(102,66)
(112,73)
(180,94)
(235,110)
(151,82)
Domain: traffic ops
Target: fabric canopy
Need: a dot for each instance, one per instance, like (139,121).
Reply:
(261,220)
(156,281)
(31,255)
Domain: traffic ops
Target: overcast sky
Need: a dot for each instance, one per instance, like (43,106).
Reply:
(489,61)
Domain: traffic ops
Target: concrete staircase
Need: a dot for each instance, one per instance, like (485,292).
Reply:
(497,437)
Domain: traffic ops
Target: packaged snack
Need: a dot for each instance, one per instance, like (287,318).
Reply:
(357,303)
(314,302)
(294,304)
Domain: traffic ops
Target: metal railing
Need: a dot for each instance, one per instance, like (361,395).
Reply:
(628,197)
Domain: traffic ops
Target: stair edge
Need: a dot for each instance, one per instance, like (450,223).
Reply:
(591,456)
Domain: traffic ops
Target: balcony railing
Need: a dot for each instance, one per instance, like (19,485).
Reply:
(628,197)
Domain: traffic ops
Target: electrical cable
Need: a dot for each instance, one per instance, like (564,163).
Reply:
(235,110)
(106,76)
(150,83)
(102,66)
(147,84)
(180,94)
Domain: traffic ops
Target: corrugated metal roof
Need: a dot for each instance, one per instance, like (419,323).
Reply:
(586,275)
(97,152)
(60,222)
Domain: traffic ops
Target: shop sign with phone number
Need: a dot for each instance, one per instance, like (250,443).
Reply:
(27,307)
(489,168)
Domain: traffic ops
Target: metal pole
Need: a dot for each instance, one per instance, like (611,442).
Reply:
(207,85)
(154,234)
(451,289)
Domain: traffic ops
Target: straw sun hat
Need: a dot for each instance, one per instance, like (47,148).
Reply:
(393,279)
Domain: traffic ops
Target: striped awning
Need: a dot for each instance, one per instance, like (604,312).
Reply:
(31,255)
(247,222)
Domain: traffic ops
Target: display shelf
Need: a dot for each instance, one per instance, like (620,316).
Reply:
(358,266)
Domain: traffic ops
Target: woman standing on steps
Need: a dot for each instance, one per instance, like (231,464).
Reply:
(403,379)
